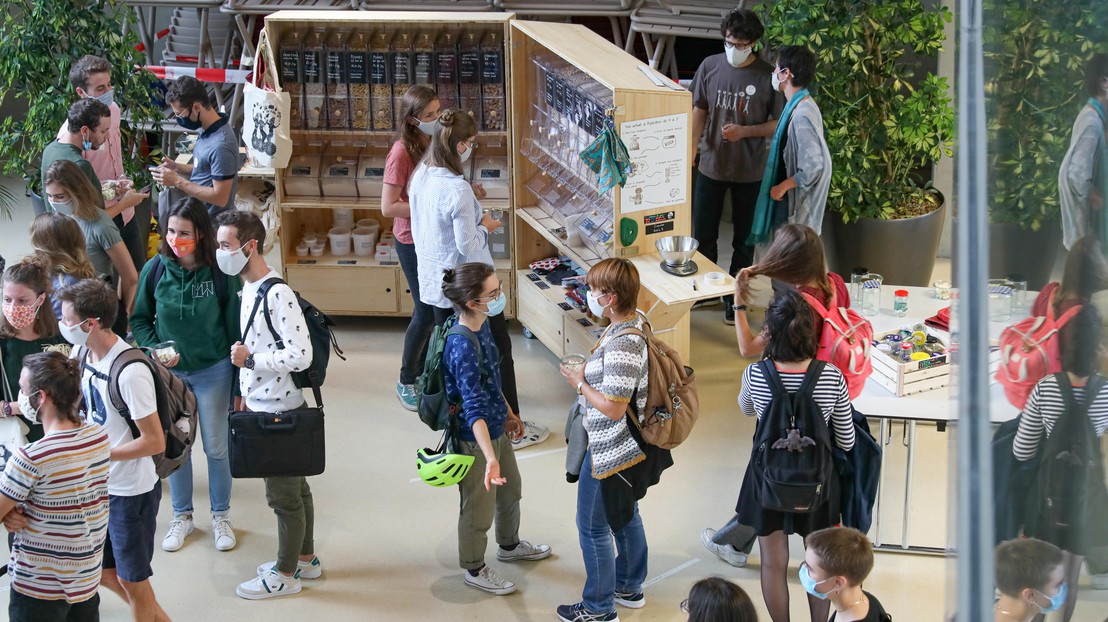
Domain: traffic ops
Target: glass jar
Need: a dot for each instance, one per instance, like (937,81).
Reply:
(871,293)
(857,275)
(900,302)
(1000,300)
(906,350)
(1018,283)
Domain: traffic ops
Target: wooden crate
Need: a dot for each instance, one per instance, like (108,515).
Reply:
(912,377)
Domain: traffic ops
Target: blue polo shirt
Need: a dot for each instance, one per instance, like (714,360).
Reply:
(216,157)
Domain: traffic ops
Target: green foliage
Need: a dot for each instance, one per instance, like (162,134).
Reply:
(1035,54)
(39,41)
(882,123)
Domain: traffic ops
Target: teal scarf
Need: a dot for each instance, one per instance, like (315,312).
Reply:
(1101,175)
(763,209)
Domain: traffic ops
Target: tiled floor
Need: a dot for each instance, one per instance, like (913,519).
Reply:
(388,542)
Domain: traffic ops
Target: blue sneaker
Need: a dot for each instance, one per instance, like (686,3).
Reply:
(578,613)
(408,395)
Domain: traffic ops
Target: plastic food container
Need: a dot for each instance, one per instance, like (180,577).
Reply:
(492,174)
(302,250)
(301,178)
(338,178)
(365,241)
(371,173)
(340,241)
(343,217)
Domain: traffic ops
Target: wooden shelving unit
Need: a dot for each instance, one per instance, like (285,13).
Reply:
(352,285)
(653,121)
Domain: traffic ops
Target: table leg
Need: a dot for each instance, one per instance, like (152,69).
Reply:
(910,443)
(883,437)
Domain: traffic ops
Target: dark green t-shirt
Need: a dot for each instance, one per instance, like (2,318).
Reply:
(12,351)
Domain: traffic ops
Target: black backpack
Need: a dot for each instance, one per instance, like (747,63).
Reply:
(319,331)
(435,408)
(177,410)
(793,459)
(1071,476)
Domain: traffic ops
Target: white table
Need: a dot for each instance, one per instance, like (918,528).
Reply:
(935,406)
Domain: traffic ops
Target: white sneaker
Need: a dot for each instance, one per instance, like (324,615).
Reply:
(533,434)
(223,533)
(726,552)
(489,581)
(524,551)
(304,570)
(269,585)
(179,529)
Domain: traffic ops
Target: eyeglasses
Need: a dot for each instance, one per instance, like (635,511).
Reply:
(494,295)
(685,606)
(742,46)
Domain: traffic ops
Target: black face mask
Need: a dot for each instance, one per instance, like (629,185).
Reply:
(188,123)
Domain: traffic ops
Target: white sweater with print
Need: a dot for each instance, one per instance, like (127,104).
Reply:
(269,387)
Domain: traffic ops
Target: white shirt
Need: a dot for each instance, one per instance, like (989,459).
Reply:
(446,228)
(269,387)
(126,478)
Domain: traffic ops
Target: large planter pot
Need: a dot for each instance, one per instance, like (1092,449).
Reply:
(1014,250)
(903,251)
(37,202)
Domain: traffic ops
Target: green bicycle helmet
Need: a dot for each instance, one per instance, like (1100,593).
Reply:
(442,469)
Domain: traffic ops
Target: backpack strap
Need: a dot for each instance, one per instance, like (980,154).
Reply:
(460,329)
(125,358)
(1065,317)
(263,301)
(818,306)
(811,377)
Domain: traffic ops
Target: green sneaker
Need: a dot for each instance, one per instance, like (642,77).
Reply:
(408,395)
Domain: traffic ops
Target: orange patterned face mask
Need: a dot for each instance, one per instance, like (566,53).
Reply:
(21,316)
(182,247)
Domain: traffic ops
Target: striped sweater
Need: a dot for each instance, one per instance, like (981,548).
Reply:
(617,369)
(1044,406)
(830,393)
(62,482)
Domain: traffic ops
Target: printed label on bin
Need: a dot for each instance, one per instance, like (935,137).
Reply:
(290,65)
(660,227)
(550,86)
(470,72)
(336,66)
(300,171)
(373,171)
(356,67)
(490,173)
(492,69)
(401,68)
(379,68)
(339,170)
(423,67)
(446,67)
(313,72)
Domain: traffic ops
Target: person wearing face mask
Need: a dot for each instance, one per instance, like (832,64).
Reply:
(59,241)
(797,178)
(617,467)
(91,78)
(267,385)
(1031,580)
(493,487)
(28,326)
(183,297)
(86,131)
(213,175)
(1045,413)
(449,229)
(59,486)
(836,562)
(1083,176)
(134,490)
(734,101)
(70,193)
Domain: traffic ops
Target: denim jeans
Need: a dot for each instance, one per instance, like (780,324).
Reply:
(708,196)
(422,322)
(212,387)
(606,570)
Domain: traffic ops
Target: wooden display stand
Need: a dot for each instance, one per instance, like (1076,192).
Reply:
(632,96)
(359,285)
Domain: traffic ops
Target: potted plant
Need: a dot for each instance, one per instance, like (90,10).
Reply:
(887,119)
(39,41)
(1035,54)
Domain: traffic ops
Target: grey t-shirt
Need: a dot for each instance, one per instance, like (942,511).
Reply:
(216,157)
(100,235)
(739,95)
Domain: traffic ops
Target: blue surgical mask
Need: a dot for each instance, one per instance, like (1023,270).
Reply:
(427,127)
(496,307)
(1056,601)
(810,584)
(86,144)
(107,97)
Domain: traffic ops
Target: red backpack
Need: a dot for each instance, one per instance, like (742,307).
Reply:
(844,342)
(1029,353)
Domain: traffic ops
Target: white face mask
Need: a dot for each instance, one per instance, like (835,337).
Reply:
(30,412)
(464,155)
(775,81)
(426,126)
(74,334)
(65,208)
(107,97)
(593,300)
(231,262)
(735,56)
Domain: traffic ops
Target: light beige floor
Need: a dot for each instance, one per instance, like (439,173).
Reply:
(388,543)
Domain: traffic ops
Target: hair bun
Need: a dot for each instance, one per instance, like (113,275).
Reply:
(447,117)
(448,275)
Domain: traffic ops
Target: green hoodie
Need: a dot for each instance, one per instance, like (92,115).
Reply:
(186,310)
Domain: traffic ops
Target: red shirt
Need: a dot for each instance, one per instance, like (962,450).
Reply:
(842,294)
(398,169)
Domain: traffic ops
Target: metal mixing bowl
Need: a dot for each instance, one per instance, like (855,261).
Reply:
(677,250)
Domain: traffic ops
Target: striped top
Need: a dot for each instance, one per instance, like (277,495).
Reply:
(62,482)
(1042,410)
(617,369)
(830,393)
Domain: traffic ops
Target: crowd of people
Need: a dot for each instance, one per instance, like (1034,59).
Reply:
(88,294)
